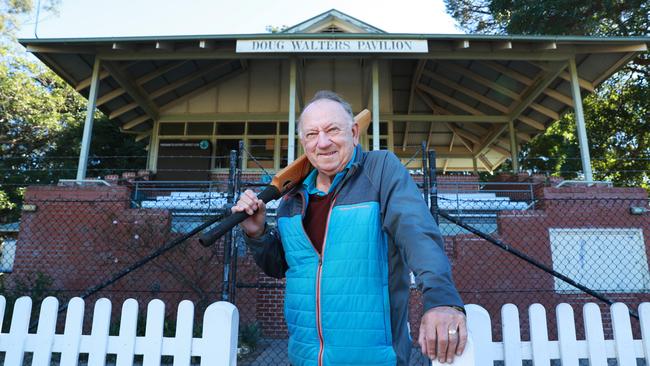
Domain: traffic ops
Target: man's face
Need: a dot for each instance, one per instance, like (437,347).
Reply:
(327,138)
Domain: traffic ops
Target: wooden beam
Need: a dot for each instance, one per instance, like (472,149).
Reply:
(207,86)
(515,75)
(110,96)
(135,122)
(135,91)
(436,109)
(532,122)
(481,80)
(139,81)
(143,135)
(585,84)
(414,81)
(470,93)
(486,163)
(159,71)
(495,133)
(545,111)
(41,49)
(450,100)
(535,90)
(189,78)
(469,145)
(85,83)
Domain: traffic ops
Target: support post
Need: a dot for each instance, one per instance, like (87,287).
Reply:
(433,185)
(88,124)
(580,121)
(291,145)
(514,152)
(227,238)
(154,142)
(375,104)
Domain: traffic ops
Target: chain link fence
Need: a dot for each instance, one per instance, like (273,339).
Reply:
(507,243)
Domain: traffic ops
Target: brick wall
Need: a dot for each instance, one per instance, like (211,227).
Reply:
(81,236)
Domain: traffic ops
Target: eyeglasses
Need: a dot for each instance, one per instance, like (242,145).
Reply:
(330,132)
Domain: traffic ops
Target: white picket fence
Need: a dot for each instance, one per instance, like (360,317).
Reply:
(567,348)
(217,346)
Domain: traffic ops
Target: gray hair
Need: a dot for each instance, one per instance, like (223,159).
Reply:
(328,95)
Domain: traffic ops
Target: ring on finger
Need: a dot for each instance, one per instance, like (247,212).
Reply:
(453,331)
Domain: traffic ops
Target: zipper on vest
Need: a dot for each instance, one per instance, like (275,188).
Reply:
(319,325)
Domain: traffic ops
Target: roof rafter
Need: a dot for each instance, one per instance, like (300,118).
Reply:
(466,72)
(515,75)
(470,93)
(207,86)
(450,100)
(534,91)
(414,81)
(189,78)
(135,91)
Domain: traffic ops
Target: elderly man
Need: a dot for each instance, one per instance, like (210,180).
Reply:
(345,241)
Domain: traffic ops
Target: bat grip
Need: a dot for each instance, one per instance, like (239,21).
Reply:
(206,239)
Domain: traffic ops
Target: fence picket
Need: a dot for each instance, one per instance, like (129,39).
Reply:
(566,329)
(595,335)
(128,327)
(44,337)
(182,350)
(644,317)
(99,334)
(14,342)
(154,333)
(478,320)
(539,335)
(511,335)
(623,340)
(226,316)
(72,332)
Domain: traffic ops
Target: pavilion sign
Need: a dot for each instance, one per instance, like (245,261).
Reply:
(333,45)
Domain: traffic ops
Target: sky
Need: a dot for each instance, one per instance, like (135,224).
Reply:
(114,18)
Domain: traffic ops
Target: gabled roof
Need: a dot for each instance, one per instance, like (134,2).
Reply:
(333,21)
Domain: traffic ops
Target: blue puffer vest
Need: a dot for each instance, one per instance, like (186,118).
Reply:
(337,306)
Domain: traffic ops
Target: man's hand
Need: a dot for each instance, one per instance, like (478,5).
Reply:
(443,333)
(255,207)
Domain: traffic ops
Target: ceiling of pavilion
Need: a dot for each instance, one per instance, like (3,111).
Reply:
(474,84)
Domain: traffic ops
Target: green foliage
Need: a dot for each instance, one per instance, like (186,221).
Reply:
(41,124)
(616,115)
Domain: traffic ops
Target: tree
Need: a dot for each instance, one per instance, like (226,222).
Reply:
(616,115)
(41,122)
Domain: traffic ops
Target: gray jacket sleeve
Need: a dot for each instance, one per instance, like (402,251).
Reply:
(268,252)
(407,220)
